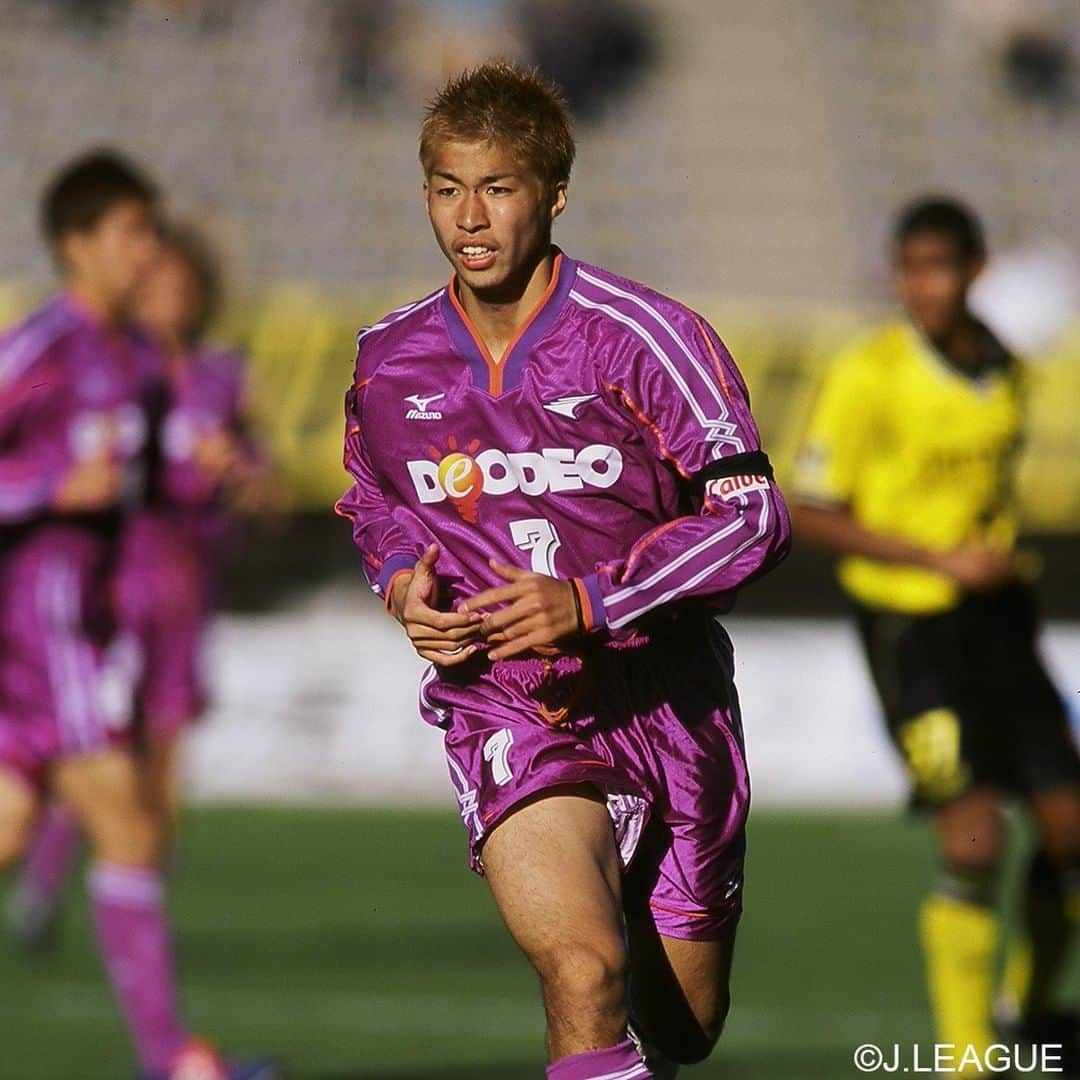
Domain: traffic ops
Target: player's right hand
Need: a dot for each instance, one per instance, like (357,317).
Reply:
(978,567)
(443,637)
(217,454)
(89,486)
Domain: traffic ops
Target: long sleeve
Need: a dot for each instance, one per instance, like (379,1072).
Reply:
(683,390)
(383,544)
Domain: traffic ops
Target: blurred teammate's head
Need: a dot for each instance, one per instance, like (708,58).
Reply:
(497,147)
(179,297)
(939,249)
(98,216)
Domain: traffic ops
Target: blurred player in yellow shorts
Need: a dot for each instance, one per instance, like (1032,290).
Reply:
(907,473)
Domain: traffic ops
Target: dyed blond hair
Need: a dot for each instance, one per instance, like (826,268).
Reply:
(500,103)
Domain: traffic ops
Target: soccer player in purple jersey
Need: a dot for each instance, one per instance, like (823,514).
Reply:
(557,485)
(77,394)
(169,549)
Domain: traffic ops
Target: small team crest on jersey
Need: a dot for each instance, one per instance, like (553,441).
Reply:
(421,409)
(731,487)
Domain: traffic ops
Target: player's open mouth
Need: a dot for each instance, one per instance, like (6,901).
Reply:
(477,256)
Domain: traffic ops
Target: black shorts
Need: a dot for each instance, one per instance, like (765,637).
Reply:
(967,699)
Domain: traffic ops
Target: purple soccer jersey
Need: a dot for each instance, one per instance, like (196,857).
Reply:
(171,548)
(205,396)
(572,456)
(71,390)
(593,451)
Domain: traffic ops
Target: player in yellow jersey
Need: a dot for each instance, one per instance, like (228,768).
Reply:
(907,474)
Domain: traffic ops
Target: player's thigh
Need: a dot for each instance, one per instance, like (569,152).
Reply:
(970,828)
(104,792)
(553,869)
(159,773)
(702,970)
(680,987)
(917,664)
(18,809)
(1056,814)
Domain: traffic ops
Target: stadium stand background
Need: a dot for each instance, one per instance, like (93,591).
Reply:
(746,157)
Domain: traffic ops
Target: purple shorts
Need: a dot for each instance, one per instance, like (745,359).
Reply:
(652,724)
(55,621)
(162,592)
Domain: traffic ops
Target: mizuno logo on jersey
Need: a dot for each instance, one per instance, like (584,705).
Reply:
(731,487)
(463,478)
(420,403)
(568,406)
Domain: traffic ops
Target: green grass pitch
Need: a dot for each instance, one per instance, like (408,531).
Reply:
(354,945)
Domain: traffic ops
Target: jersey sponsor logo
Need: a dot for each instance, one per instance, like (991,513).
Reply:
(462,476)
(420,410)
(731,487)
(568,406)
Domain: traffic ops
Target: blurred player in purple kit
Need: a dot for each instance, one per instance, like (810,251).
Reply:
(557,485)
(78,396)
(172,549)
(169,550)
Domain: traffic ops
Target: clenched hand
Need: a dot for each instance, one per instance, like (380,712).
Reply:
(443,637)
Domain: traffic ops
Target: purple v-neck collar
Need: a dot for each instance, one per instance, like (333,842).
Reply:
(508,372)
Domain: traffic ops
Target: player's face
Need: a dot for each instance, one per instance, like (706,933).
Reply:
(169,297)
(110,260)
(492,216)
(933,282)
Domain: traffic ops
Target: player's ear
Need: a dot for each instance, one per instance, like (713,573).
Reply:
(558,199)
(70,246)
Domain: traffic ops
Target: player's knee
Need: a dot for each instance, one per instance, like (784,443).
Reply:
(588,975)
(692,1040)
(12,847)
(130,838)
(976,850)
(971,831)
(17,815)
(714,1026)
(1060,846)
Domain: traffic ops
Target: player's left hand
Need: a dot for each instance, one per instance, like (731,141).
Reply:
(539,610)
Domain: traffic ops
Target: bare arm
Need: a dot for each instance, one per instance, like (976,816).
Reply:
(973,566)
(835,529)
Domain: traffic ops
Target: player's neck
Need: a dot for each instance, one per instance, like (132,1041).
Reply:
(92,302)
(962,344)
(498,317)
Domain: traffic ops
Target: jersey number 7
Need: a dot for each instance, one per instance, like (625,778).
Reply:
(539,538)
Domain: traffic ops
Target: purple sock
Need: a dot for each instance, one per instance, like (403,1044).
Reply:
(53,846)
(621,1062)
(133,938)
